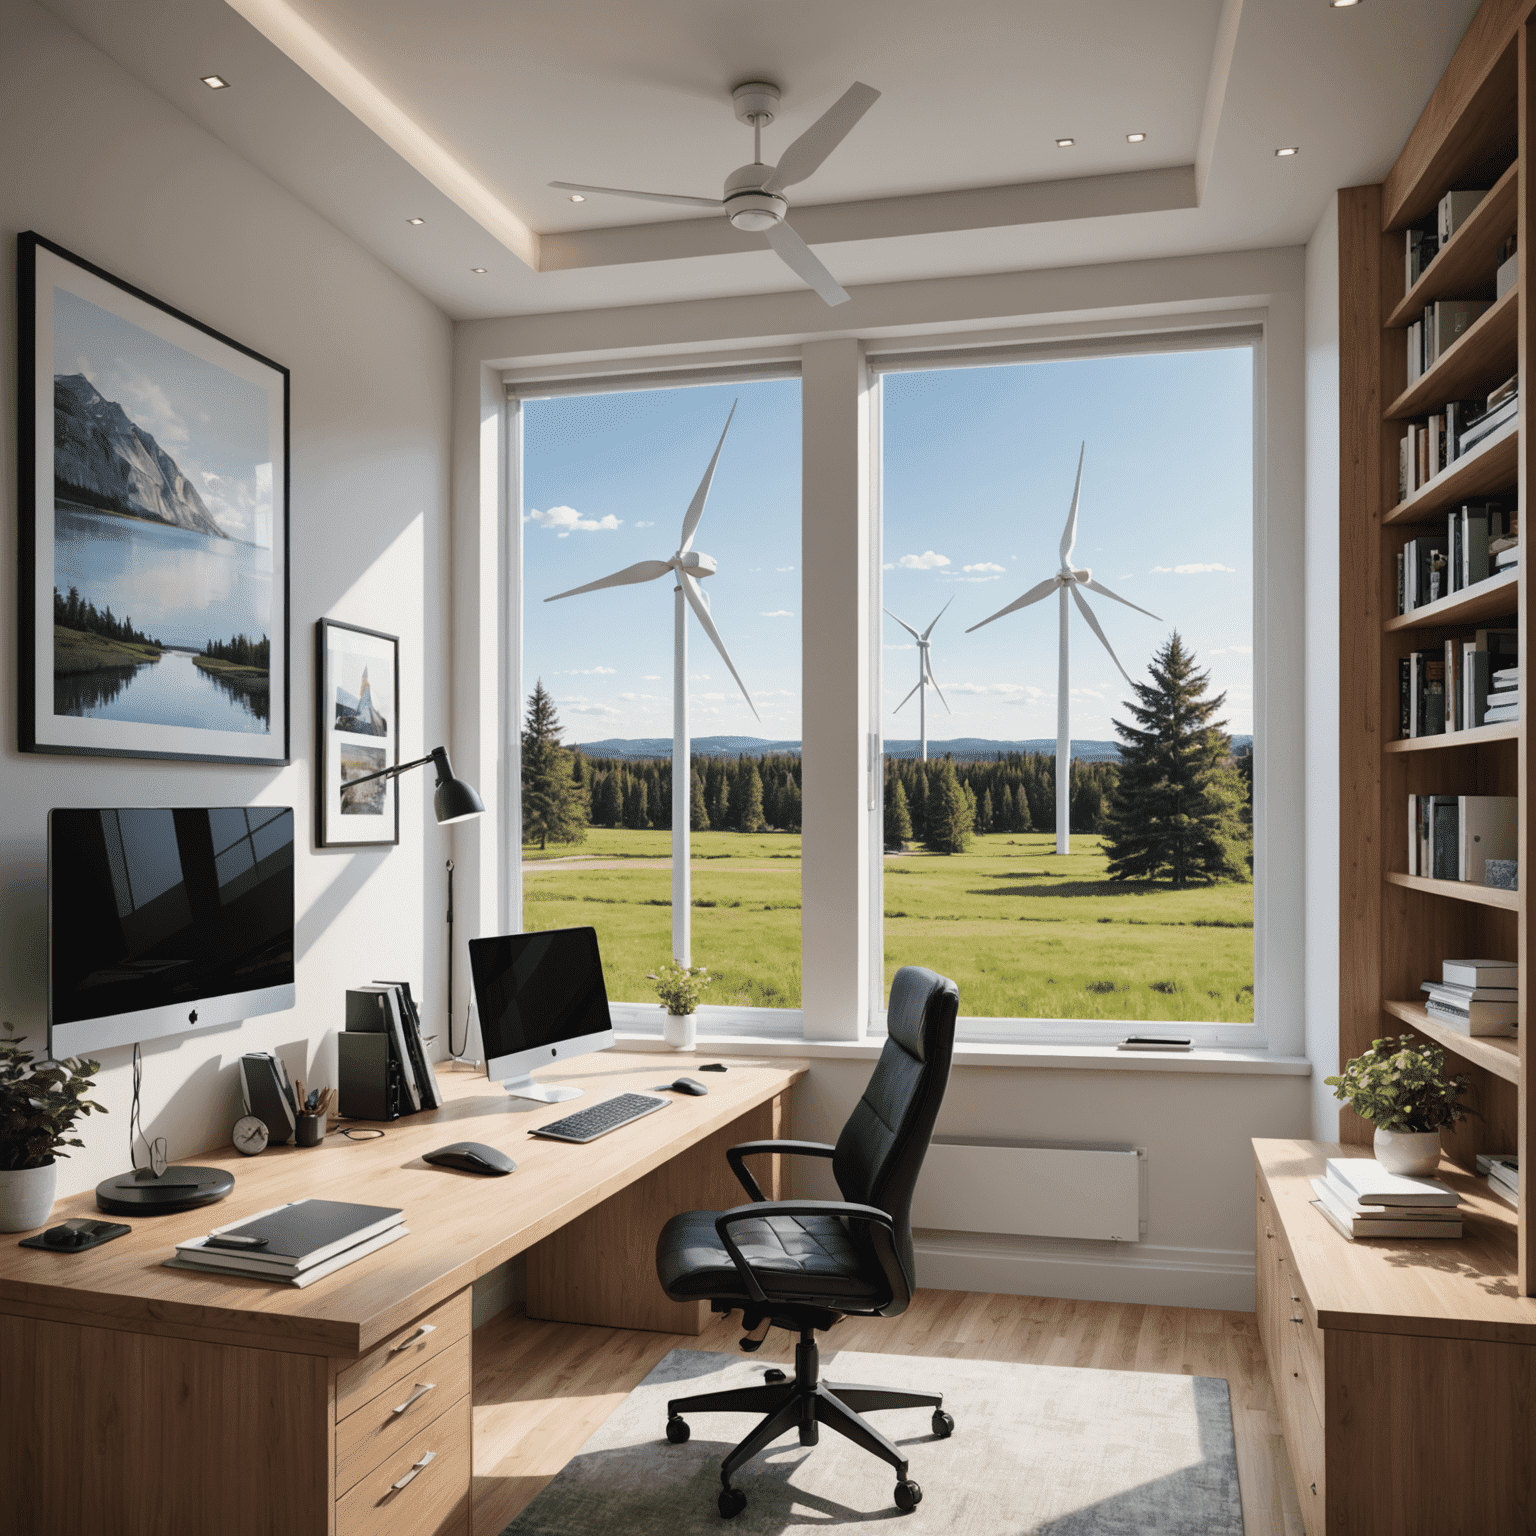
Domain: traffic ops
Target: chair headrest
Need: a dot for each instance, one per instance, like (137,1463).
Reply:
(912,990)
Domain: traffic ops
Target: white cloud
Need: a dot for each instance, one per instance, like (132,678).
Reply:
(908,647)
(927,561)
(583,706)
(593,672)
(782,568)
(1190,570)
(567,520)
(651,677)
(1231,650)
(645,525)
(779,613)
(1004,690)
(985,565)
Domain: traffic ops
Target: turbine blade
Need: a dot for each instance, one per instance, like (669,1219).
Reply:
(696,506)
(905,626)
(1035,593)
(807,153)
(939,615)
(1103,591)
(1069,533)
(804,263)
(915,686)
(695,601)
(646,570)
(1093,624)
(644,197)
(932,679)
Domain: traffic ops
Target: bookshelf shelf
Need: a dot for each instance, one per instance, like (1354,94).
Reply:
(1483,356)
(1488,468)
(1493,1053)
(1506,730)
(1458,890)
(1464,269)
(1498,597)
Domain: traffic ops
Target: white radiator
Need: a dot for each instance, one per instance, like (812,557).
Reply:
(1035,1189)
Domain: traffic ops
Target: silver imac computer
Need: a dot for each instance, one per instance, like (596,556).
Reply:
(541,998)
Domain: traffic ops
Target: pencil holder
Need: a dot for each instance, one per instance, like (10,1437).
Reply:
(310,1131)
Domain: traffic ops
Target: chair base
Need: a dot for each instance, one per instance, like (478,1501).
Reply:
(806,1403)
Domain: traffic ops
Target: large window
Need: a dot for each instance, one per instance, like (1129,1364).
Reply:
(607,480)
(1149,914)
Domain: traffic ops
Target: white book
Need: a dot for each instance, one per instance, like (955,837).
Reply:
(1409,1228)
(316,1223)
(1501,716)
(1373,1185)
(309,1276)
(396,1025)
(1487,827)
(1353,1208)
(1481,973)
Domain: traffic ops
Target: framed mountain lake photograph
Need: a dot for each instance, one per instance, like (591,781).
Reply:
(358,731)
(152,525)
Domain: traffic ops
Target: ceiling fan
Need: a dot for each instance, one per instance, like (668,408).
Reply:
(754,195)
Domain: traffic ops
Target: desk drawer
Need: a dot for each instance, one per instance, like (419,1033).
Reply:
(434,1500)
(394,1358)
(388,1419)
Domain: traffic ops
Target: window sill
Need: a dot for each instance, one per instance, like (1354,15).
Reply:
(970,1053)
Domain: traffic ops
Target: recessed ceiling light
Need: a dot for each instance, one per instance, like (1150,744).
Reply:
(415,221)
(215,82)
(479,269)
(576,197)
(1339,5)
(1287,153)
(1065,143)
(1134,138)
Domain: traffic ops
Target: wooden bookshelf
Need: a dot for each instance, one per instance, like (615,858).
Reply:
(1493,1053)
(1505,730)
(1483,355)
(1457,890)
(1496,598)
(1483,471)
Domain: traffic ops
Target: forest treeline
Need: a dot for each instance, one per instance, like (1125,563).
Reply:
(242,651)
(74,612)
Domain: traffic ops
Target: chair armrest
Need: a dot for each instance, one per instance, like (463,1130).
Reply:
(883,1230)
(748,1148)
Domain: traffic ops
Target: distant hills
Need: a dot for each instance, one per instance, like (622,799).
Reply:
(965,748)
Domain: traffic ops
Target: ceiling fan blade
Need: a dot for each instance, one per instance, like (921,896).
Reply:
(1035,593)
(646,570)
(906,627)
(1093,624)
(798,257)
(696,506)
(818,141)
(1069,533)
(701,610)
(939,615)
(918,684)
(644,197)
(1103,591)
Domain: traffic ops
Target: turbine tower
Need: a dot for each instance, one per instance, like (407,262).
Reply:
(1066,580)
(924,677)
(690,568)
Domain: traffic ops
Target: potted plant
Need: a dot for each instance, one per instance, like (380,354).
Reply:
(1401,1088)
(39,1105)
(680,987)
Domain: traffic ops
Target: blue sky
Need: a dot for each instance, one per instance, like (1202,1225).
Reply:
(979,465)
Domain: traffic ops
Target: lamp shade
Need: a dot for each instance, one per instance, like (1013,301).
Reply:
(455,800)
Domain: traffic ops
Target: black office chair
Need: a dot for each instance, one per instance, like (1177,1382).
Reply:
(805,1264)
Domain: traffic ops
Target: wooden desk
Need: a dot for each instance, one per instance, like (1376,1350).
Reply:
(157,1402)
(1405,1370)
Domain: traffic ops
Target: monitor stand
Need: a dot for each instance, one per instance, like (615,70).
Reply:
(524,1087)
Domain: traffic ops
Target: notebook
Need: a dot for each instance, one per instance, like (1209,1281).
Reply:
(301,1234)
(242,1266)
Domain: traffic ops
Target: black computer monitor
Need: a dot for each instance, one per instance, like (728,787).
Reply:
(541,998)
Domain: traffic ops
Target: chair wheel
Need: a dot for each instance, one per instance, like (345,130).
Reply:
(733,1501)
(908,1496)
(943,1424)
(774,1375)
(678,1430)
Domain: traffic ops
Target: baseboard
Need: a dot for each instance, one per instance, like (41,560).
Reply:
(1083,1270)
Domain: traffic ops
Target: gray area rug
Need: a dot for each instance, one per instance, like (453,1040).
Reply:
(1037,1451)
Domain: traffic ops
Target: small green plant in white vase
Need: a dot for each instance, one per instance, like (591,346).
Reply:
(680,988)
(1400,1086)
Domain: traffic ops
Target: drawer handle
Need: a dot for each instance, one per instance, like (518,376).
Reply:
(422,1388)
(410,1339)
(427,1457)
(1298,1319)
(1268,1233)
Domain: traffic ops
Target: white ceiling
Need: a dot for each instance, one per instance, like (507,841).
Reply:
(373,111)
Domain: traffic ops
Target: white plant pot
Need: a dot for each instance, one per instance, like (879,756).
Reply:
(1413,1153)
(26,1196)
(680,1031)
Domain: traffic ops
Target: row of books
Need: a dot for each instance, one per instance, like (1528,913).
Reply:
(1421,246)
(1452,687)
(387,1008)
(1452,837)
(294,1244)
(1451,432)
(1502,1171)
(1444,322)
(1476,997)
(1432,566)
(1359,1197)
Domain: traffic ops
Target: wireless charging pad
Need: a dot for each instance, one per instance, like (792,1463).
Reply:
(140,1193)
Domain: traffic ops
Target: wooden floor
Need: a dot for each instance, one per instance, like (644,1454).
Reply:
(546,1386)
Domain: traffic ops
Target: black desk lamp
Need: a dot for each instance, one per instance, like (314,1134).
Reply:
(455,800)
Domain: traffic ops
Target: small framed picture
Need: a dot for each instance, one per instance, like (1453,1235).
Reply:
(359,734)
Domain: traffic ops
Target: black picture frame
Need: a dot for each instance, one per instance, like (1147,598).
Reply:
(91,693)
(343,821)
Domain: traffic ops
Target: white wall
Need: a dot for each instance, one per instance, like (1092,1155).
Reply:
(1320,662)
(107,169)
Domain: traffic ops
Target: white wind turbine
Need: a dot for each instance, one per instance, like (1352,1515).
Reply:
(1066,580)
(690,567)
(924,677)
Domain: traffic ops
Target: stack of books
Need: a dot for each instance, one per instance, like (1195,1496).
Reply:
(387,1008)
(294,1244)
(1502,1170)
(1452,837)
(1476,997)
(1504,696)
(1362,1199)
(1499,409)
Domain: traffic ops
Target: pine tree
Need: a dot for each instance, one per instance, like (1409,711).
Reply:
(789,806)
(984,812)
(1175,811)
(950,817)
(749,818)
(898,821)
(636,816)
(554,806)
(917,804)
(698,817)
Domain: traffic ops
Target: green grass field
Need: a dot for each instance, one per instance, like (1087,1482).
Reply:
(1025,934)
